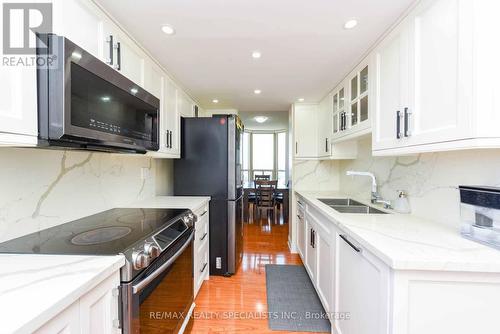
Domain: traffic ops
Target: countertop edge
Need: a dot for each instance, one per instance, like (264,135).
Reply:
(60,305)
(396,265)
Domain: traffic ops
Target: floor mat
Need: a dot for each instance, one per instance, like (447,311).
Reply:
(292,301)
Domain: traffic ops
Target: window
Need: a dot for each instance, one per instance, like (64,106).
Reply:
(265,154)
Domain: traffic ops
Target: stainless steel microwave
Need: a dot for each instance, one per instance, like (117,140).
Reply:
(83,103)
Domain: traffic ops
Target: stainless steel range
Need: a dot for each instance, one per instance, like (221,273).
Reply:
(157,278)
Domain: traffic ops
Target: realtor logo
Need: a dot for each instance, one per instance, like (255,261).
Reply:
(21,24)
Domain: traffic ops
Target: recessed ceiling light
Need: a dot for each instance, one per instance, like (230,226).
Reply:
(134,90)
(260,119)
(256,54)
(257,91)
(301,99)
(215,101)
(105,98)
(350,24)
(167,29)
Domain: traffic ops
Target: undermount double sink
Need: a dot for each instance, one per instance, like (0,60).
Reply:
(348,205)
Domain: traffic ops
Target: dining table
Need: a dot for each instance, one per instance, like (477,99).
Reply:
(249,187)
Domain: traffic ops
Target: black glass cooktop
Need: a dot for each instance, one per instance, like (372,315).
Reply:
(106,233)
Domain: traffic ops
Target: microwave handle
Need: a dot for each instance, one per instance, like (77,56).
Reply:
(144,283)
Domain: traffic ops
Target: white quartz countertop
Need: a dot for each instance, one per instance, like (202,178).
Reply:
(172,202)
(405,242)
(35,288)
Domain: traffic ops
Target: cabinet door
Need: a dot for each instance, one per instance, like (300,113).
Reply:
(362,291)
(81,22)
(66,322)
(18,106)
(306,135)
(391,72)
(127,58)
(310,250)
(325,130)
(99,307)
(301,233)
(325,280)
(438,106)
(185,105)
(172,118)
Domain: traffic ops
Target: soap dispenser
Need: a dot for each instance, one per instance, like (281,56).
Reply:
(401,204)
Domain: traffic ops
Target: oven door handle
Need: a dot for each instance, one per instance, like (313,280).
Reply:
(144,283)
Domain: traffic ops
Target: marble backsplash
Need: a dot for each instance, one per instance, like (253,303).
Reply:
(430,179)
(44,188)
(314,175)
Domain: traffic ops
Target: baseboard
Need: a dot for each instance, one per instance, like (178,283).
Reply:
(187,318)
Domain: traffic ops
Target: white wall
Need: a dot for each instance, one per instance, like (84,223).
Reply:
(43,188)
(430,179)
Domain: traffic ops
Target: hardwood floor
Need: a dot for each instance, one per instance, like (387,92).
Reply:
(234,305)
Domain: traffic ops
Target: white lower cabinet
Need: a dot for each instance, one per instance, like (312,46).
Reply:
(319,255)
(362,290)
(99,308)
(301,230)
(201,247)
(66,322)
(311,259)
(95,312)
(324,247)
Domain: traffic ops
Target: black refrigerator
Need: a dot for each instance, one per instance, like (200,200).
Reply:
(210,165)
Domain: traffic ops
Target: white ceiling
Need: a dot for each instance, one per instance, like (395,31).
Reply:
(305,49)
(276,120)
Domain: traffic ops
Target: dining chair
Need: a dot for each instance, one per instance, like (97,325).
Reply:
(252,194)
(265,191)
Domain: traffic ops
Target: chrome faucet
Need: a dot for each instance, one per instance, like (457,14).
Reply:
(375,196)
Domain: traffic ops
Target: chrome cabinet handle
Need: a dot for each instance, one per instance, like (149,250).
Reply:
(170,140)
(118,65)
(204,213)
(296,147)
(204,236)
(407,114)
(110,41)
(398,124)
(357,249)
(326,148)
(166,139)
(204,267)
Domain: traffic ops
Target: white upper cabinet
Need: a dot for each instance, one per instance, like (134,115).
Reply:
(122,53)
(351,104)
(185,105)
(81,22)
(436,71)
(439,73)
(325,123)
(18,106)
(391,88)
(171,118)
(305,118)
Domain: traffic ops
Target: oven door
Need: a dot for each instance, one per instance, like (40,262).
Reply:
(159,299)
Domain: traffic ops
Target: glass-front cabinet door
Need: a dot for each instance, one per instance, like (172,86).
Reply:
(358,104)
(339,111)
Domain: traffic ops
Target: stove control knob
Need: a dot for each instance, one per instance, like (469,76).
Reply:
(191,217)
(151,250)
(188,221)
(139,260)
